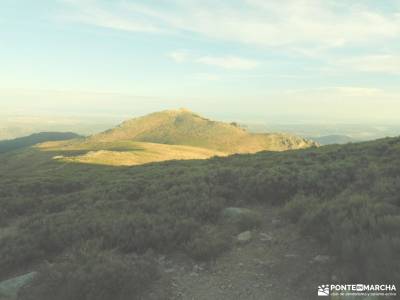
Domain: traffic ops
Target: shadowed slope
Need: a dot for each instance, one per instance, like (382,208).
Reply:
(33,139)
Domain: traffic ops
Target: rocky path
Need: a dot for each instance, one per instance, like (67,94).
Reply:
(274,264)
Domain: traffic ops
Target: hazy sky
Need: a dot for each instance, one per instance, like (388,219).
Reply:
(327,60)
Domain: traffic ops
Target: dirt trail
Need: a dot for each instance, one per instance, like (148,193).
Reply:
(275,264)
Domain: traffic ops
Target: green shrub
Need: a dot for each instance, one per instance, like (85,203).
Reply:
(346,196)
(241,219)
(90,275)
(296,208)
(208,244)
(248,221)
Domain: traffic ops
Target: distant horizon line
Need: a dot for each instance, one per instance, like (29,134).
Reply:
(300,119)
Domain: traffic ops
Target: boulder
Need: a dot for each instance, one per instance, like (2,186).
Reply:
(242,218)
(10,287)
(235,212)
(265,237)
(321,258)
(244,237)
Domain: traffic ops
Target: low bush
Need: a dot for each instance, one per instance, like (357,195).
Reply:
(345,196)
(209,243)
(93,275)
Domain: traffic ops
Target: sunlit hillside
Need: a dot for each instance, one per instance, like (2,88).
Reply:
(183,127)
(122,153)
(169,135)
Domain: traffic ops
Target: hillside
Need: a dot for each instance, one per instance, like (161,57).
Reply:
(122,153)
(36,138)
(162,231)
(183,127)
(169,135)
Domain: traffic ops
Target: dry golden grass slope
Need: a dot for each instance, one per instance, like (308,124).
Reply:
(123,153)
(169,135)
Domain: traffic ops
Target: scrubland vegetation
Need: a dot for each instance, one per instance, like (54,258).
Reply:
(98,229)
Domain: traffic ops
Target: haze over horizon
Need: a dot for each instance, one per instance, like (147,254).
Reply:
(243,59)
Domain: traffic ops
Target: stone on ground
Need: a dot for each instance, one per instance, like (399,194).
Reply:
(9,288)
(244,237)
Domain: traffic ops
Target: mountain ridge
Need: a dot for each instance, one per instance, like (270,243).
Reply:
(169,135)
(183,127)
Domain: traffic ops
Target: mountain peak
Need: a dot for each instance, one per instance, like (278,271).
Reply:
(183,109)
(175,111)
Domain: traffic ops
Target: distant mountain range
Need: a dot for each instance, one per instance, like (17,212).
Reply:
(357,132)
(16,126)
(172,134)
(333,139)
(33,139)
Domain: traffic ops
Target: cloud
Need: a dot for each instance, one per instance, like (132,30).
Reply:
(206,77)
(350,91)
(340,94)
(299,24)
(228,62)
(179,56)
(381,63)
(93,13)
(353,103)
